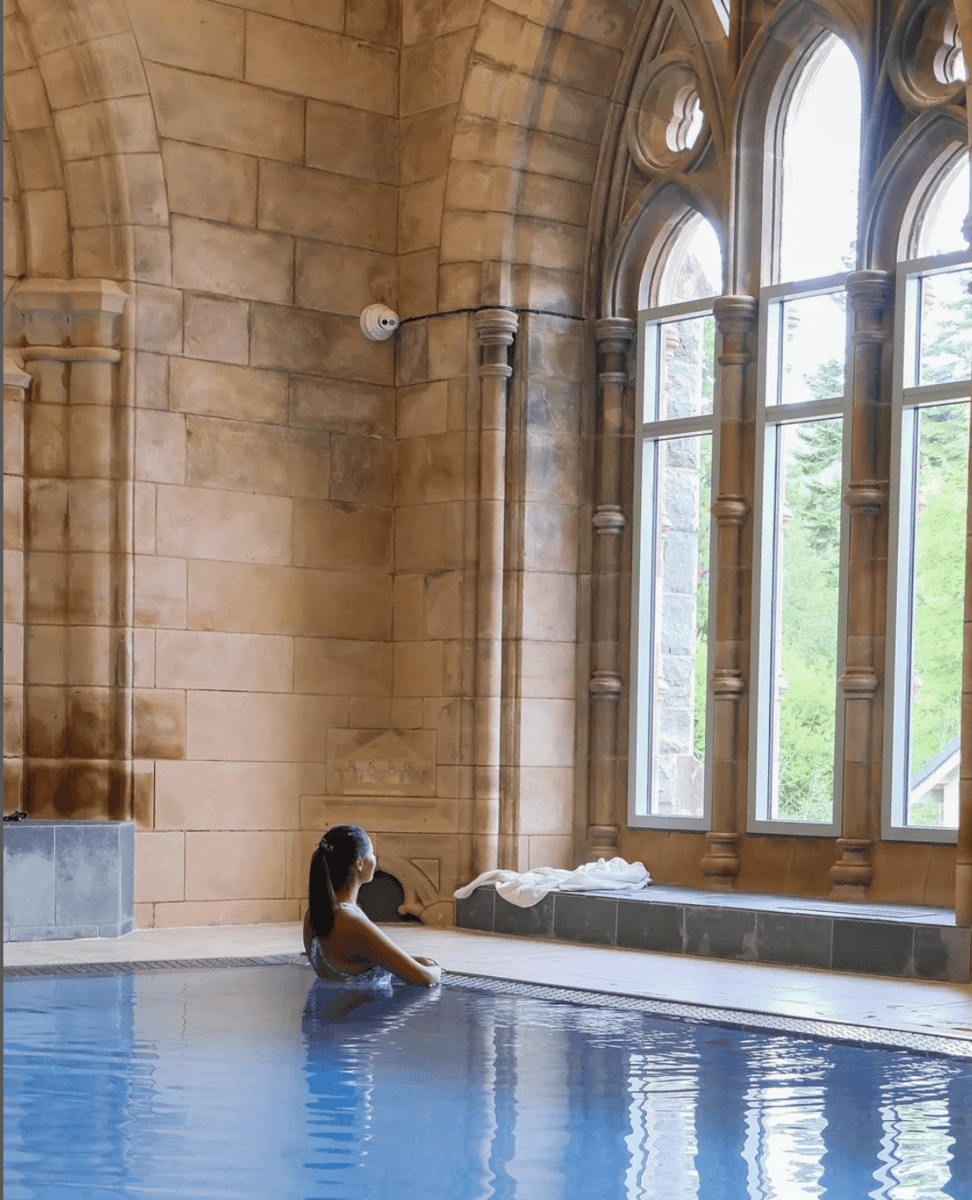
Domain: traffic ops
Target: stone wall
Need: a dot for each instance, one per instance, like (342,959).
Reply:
(301,636)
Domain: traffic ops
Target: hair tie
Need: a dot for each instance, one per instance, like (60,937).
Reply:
(326,846)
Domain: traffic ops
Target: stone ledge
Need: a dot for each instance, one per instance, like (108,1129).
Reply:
(67,879)
(879,939)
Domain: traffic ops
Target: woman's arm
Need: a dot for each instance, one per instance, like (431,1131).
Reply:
(382,951)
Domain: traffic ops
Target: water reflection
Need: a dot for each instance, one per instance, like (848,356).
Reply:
(257,1082)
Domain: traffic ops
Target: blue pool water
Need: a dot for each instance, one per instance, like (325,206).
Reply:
(260,1082)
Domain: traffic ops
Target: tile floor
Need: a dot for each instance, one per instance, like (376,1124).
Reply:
(919,1006)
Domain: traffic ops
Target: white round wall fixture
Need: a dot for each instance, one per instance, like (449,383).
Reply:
(378,322)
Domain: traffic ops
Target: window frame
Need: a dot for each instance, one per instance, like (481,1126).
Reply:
(906,400)
(772,299)
(642,596)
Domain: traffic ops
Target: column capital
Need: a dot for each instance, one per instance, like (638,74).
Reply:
(70,312)
(869,287)
(70,295)
(14,374)
(496,326)
(619,330)
(735,314)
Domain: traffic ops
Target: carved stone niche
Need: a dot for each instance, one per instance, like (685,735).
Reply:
(421,879)
(925,56)
(666,127)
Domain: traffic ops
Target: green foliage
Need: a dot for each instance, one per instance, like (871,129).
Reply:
(939,580)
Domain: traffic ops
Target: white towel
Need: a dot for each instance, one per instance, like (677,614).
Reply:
(530,887)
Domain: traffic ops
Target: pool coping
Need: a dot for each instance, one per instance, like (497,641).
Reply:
(745,1020)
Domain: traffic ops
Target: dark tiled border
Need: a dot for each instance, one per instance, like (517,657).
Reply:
(901,947)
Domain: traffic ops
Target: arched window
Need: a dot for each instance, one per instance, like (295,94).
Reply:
(673,598)
(813,183)
(930,467)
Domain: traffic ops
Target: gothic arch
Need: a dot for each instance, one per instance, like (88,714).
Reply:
(645,239)
(764,86)
(113,216)
(929,146)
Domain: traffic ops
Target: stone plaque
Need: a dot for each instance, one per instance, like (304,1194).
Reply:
(381,762)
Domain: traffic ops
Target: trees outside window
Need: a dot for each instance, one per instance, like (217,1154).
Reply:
(930,455)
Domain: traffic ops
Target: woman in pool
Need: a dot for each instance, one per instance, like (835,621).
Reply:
(341,942)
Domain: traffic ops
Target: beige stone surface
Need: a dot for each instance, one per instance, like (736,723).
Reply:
(227,795)
(327,206)
(13,656)
(334,667)
(225,912)
(432,72)
(216,328)
(343,279)
(419,214)
(424,19)
(159,723)
(212,389)
(342,536)
(196,34)
(418,283)
(235,865)
(314,343)
(352,141)
(236,662)
(234,262)
(419,668)
(420,538)
(321,65)
(361,470)
(426,142)
(123,126)
(216,185)
(160,592)
(197,522)
(249,598)
(158,316)
(257,457)
(160,860)
(96,70)
(548,669)
(546,800)
(260,726)
(253,120)
(345,406)
(160,446)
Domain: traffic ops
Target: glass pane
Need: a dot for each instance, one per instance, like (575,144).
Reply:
(694,267)
(685,368)
(945,344)
(812,337)
(807,460)
(821,165)
(679,629)
(940,229)
(938,583)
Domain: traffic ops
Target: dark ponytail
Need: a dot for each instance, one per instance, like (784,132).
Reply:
(330,870)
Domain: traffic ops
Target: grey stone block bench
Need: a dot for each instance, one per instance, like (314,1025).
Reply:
(67,879)
(911,942)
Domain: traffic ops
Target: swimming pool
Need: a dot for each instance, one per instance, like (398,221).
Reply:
(255,1081)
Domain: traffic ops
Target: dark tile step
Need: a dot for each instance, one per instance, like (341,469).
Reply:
(880,939)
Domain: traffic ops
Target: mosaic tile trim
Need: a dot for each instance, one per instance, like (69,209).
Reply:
(169,964)
(825,1031)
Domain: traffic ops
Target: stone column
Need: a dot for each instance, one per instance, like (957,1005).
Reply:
(78,565)
(735,318)
(869,311)
(614,337)
(15,384)
(495,329)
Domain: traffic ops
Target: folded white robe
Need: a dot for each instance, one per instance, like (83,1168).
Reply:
(529,887)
